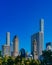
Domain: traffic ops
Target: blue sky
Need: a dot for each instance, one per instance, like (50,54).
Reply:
(22,17)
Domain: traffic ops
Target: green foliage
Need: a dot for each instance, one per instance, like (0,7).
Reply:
(47,57)
(10,61)
(27,62)
(35,62)
(4,61)
(47,60)
(17,60)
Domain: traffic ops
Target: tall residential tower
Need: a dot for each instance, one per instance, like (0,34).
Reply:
(39,37)
(15,46)
(6,47)
(8,38)
(42,25)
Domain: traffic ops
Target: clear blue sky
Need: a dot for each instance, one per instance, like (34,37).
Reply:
(21,17)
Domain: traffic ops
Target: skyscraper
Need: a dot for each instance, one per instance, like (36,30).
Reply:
(8,38)
(6,50)
(35,55)
(39,37)
(6,47)
(42,25)
(15,46)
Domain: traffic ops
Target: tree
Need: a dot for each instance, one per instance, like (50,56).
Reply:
(47,57)
(27,62)
(10,61)
(17,60)
(1,60)
(35,62)
(4,62)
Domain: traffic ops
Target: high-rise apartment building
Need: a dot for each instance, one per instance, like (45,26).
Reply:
(39,37)
(35,53)
(8,38)
(6,50)
(6,47)
(15,46)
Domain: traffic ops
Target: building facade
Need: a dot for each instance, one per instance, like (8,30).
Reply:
(35,53)
(6,50)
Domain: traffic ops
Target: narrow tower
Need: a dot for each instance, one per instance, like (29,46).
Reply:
(41,33)
(8,38)
(42,25)
(15,46)
(6,47)
(35,55)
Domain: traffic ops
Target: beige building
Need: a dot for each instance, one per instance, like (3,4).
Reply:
(35,55)
(15,46)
